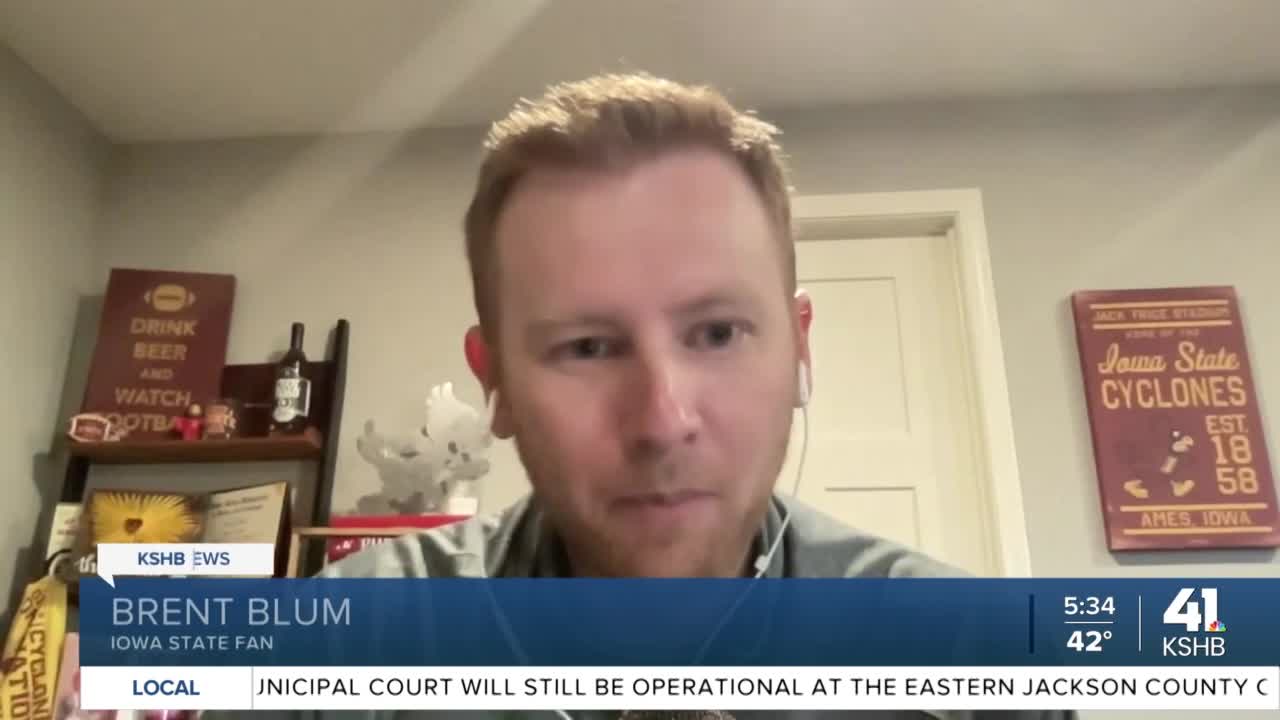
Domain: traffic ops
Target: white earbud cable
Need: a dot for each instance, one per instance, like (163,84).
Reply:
(762,563)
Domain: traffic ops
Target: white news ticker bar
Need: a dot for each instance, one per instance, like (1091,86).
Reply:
(636,688)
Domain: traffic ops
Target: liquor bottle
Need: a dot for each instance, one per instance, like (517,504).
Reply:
(293,390)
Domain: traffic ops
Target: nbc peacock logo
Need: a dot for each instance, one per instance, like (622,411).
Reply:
(1217,626)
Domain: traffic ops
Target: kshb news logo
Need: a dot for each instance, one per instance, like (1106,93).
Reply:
(1196,610)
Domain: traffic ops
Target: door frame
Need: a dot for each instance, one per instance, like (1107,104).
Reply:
(958,215)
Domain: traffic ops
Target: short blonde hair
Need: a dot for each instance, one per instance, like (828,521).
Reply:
(606,122)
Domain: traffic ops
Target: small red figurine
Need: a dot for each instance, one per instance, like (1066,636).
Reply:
(191,424)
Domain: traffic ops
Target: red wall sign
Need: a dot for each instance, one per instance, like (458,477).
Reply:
(1178,439)
(162,342)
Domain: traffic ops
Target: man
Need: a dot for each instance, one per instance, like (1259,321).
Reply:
(642,340)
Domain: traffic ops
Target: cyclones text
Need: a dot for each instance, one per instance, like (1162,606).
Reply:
(1218,387)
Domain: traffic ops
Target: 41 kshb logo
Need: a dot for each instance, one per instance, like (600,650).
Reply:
(1187,612)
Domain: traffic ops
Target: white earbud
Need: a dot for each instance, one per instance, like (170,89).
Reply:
(491,409)
(802,385)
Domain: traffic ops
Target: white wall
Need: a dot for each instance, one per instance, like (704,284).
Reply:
(51,170)
(1080,193)
(1137,191)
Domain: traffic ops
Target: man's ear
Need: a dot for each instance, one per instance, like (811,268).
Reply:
(476,351)
(804,320)
(479,359)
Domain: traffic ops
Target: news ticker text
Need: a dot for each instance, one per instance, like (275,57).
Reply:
(691,688)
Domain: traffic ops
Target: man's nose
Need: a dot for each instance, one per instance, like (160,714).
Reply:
(663,408)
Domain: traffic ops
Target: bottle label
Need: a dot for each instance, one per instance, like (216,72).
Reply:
(293,399)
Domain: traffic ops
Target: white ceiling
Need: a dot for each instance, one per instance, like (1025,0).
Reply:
(185,69)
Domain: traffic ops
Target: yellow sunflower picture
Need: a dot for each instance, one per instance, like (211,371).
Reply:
(138,517)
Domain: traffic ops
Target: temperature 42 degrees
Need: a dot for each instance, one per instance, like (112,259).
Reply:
(1088,640)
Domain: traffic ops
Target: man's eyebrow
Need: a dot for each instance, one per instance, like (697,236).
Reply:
(713,301)
(543,327)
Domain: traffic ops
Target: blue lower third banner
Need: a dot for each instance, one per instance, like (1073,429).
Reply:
(693,644)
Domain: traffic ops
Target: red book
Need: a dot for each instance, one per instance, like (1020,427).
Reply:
(339,547)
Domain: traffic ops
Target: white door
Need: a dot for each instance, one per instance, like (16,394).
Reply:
(891,450)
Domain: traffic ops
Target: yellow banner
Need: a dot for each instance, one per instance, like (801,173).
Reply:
(33,652)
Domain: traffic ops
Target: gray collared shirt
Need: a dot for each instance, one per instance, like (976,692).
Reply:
(517,544)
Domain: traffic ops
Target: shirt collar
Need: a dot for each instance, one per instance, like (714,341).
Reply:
(535,550)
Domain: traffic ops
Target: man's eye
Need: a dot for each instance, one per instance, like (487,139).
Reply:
(712,335)
(589,348)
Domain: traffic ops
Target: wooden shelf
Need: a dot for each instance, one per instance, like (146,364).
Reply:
(254,385)
(307,446)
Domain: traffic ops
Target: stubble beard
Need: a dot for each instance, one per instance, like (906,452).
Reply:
(595,552)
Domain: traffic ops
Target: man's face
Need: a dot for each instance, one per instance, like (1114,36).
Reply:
(647,350)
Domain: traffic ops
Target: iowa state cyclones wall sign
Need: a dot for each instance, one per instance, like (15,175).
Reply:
(1178,440)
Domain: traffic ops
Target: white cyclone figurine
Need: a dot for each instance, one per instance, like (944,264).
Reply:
(421,473)
(462,436)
